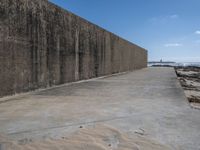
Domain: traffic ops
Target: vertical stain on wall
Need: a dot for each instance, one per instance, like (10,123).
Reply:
(77,55)
(43,45)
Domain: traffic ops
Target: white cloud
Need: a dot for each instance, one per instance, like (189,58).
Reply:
(173,45)
(175,16)
(183,59)
(197,32)
(163,19)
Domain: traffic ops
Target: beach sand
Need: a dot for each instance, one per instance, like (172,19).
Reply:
(99,137)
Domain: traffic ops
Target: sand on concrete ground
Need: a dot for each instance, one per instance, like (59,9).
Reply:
(141,109)
(100,137)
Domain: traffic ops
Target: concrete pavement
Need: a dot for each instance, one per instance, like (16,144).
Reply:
(148,102)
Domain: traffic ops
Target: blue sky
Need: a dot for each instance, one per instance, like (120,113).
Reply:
(168,29)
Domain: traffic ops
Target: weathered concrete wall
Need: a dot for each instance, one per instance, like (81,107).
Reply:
(43,45)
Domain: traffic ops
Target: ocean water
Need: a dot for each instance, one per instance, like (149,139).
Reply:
(197,64)
(185,64)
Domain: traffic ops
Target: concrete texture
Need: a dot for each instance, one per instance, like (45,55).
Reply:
(149,102)
(42,45)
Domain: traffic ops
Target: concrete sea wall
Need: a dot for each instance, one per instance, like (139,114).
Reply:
(42,45)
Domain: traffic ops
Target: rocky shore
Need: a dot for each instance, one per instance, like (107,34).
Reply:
(190,80)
